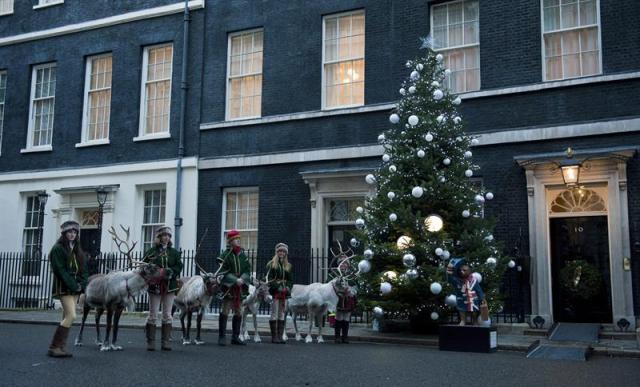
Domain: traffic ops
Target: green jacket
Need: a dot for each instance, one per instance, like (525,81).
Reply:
(234,267)
(279,279)
(67,271)
(168,259)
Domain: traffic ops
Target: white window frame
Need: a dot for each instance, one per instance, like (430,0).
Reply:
(153,225)
(47,3)
(7,5)
(47,147)
(223,222)
(324,62)
(463,46)
(598,25)
(3,74)
(143,95)
(85,111)
(252,74)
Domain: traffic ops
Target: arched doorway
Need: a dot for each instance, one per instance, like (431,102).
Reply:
(579,255)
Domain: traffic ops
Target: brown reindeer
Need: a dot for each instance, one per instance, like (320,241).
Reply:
(114,291)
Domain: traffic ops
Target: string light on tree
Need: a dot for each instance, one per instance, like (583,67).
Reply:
(433,223)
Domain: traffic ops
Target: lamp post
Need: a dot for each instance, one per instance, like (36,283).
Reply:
(101,194)
(42,202)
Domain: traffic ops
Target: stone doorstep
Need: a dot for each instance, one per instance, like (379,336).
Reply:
(604,335)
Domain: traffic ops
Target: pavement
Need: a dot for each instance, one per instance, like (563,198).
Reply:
(511,337)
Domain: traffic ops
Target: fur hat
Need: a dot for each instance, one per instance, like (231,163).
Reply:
(233,234)
(282,246)
(163,230)
(69,225)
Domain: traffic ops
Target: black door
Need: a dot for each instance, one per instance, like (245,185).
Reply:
(343,234)
(580,273)
(89,242)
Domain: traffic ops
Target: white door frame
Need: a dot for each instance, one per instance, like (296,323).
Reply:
(542,175)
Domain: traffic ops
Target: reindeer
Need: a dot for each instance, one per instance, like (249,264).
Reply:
(257,294)
(317,298)
(114,291)
(194,296)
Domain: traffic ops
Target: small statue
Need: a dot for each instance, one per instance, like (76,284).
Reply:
(469,294)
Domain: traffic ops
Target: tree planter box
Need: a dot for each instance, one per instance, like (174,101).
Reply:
(468,338)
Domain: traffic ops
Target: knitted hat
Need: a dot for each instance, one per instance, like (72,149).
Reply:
(283,247)
(69,225)
(233,234)
(163,230)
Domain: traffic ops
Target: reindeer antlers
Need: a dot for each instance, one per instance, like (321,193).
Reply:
(345,255)
(123,242)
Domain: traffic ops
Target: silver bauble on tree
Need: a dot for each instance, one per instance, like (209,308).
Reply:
(354,242)
(409,260)
(412,274)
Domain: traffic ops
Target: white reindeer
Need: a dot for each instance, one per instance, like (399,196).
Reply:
(114,291)
(195,295)
(317,298)
(257,294)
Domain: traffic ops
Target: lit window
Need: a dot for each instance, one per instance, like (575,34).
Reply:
(43,91)
(97,106)
(343,60)
(30,238)
(455,30)
(156,90)
(244,81)
(6,7)
(154,214)
(571,38)
(241,213)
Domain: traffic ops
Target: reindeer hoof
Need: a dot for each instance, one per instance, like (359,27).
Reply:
(285,337)
(105,348)
(257,339)
(298,337)
(308,339)
(198,342)
(116,348)
(99,343)
(320,340)
(78,343)
(186,342)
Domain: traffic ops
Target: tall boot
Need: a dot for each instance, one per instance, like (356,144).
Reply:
(235,326)
(280,333)
(150,330)
(166,337)
(56,349)
(336,326)
(345,332)
(222,328)
(274,333)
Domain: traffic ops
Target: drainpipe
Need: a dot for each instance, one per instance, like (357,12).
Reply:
(183,113)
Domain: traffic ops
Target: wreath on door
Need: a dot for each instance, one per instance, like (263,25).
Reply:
(580,279)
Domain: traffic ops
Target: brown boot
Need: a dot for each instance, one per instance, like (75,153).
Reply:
(280,333)
(274,332)
(150,330)
(166,337)
(56,349)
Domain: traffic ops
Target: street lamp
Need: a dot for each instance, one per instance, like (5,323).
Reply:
(570,168)
(101,194)
(42,202)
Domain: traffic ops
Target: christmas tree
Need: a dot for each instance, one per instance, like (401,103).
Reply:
(427,208)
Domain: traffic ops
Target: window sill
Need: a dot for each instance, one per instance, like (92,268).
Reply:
(39,6)
(149,137)
(324,108)
(6,14)
(93,143)
(42,148)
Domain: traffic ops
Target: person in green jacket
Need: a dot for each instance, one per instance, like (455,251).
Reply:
(69,280)
(168,259)
(280,279)
(236,269)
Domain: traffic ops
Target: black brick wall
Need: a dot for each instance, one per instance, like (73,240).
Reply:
(126,43)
